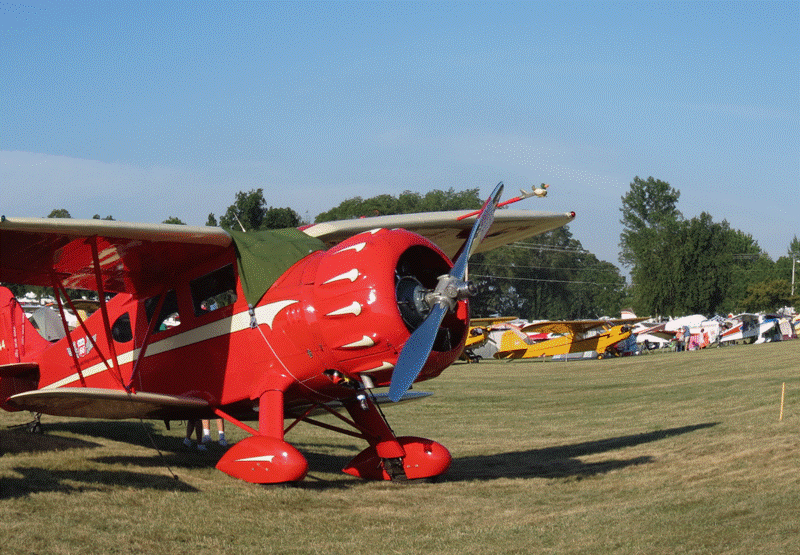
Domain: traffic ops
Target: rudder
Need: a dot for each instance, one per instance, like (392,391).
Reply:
(20,347)
(19,340)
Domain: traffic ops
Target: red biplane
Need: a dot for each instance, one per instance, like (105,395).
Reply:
(261,326)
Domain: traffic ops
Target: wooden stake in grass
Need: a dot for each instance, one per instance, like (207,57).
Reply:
(783,394)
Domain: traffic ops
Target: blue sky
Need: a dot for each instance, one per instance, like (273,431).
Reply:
(145,110)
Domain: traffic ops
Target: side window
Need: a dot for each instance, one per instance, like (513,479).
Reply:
(168,318)
(213,290)
(121,329)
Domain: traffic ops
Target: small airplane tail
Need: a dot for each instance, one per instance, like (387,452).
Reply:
(20,341)
(627,314)
(512,344)
(20,346)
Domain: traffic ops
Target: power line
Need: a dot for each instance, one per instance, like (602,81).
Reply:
(595,267)
(544,280)
(549,248)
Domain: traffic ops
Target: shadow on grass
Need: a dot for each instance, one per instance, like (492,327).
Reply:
(560,461)
(551,462)
(18,441)
(38,480)
(134,432)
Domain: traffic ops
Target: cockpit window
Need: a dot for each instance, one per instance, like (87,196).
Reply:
(168,318)
(213,290)
(121,329)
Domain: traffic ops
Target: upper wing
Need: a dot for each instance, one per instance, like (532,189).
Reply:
(575,326)
(445,229)
(497,320)
(132,257)
(138,258)
(658,331)
(562,326)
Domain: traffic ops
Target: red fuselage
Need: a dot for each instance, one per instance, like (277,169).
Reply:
(332,310)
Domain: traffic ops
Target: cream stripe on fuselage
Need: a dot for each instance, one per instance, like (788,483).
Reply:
(236,323)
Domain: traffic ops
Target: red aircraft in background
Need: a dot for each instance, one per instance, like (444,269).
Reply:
(260,326)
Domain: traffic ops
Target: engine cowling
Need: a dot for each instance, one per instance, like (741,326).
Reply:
(356,306)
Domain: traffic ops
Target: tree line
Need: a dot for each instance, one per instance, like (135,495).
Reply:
(677,266)
(683,266)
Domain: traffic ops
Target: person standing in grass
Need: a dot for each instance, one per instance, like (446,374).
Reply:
(194,427)
(678,341)
(220,431)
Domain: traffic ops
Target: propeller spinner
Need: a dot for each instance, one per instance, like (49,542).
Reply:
(450,289)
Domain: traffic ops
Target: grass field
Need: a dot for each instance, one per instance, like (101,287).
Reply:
(658,454)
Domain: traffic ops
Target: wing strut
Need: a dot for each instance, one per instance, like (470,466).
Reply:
(59,290)
(106,322)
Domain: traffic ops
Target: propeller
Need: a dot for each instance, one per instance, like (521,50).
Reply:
(450,289)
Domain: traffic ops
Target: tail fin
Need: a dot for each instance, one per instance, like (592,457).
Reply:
(19,340)
(512,344)
(627,314)
(20,346)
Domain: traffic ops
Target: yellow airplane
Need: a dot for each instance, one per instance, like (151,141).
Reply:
(575,336)
(478,335)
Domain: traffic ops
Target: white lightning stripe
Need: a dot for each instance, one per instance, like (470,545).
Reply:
(351,275)
(365,341)
(269,311)
(358,247)
(236,323)
(384,366)
(265,458)
(353,308)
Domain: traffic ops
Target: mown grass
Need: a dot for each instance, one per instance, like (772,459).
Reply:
(666,453)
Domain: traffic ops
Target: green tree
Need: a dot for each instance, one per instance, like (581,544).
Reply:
(786,267)
(599,288)
(656,275)
(250,210)
(769,296)
(685,266)
(749,265)
(550,276)
(407,202)
(705,262)
(59,213)
(212,221)
(174,220)
(280,218)
(247,211)
(648,242)
(650,205)
(97,217)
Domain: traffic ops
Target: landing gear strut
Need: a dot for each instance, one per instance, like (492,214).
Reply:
(35,425)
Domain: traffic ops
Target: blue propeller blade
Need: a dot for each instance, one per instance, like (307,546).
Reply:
(478,232)
(415,352)
(418,347)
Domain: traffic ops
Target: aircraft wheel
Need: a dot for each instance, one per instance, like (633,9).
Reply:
(424,459)
(263,460)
